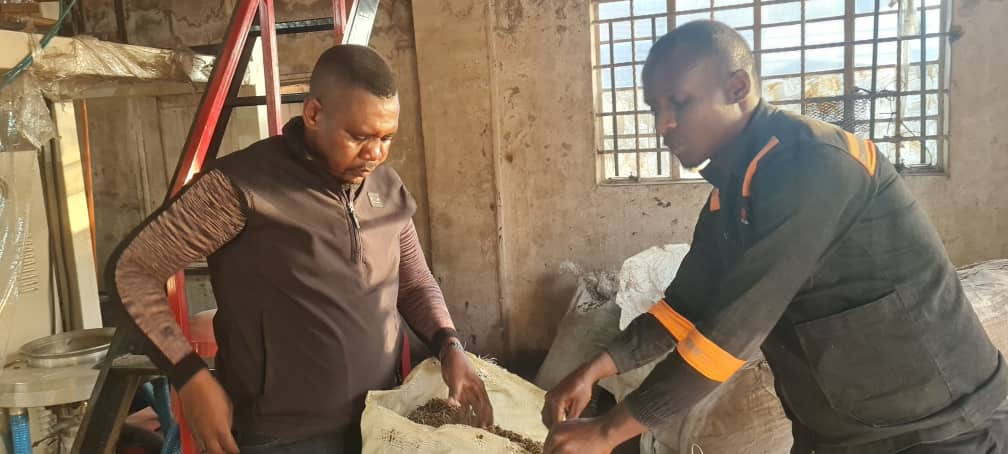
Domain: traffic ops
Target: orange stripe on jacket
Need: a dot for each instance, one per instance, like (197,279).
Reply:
(699,352)
(715,200)
(864,151)
(751,170)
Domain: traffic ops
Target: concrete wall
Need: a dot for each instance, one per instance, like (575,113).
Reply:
(506,92)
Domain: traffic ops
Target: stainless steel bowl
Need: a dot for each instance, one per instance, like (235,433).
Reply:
(72,348)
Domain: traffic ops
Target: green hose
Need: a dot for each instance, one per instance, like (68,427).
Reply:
(12,74)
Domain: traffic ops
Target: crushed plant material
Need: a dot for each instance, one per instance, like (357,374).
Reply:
(438,412)
(602,286)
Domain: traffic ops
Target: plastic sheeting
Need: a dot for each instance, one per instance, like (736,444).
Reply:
(16,185)
(67,67)
(25,120)
(386,430)
(66,70)
(644,277)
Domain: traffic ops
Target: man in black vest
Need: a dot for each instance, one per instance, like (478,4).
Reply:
(812,249)
(314,261)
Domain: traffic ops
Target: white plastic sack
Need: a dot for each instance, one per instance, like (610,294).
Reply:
(584,331)
(386,430)
(644,278)
(986,285)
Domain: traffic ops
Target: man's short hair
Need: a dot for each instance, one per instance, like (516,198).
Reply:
(704,38)
(351,65)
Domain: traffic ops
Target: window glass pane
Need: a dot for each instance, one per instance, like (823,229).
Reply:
(933,45)
(642,27)
(621,52)
(627,165)
(666,166)
(824,32)
(624,100)
(780,63)
(886,79)
(683,5)
(932,104)
(824,85)
(607,126)
(645,127)
(641,48)
(605,78)
(661,27)
(933,21)
(864,27)
(718,3)
(603,55)
(817,9)
(785,12)
(910,106)
(785,89)
(621,30)
(887,149)
(649,164)
(613,9)
(624,77)
(825,59)
(605,101)
(780,37)
(642,7)
(863,54)
(686,18)
(603,31)
(866,6)
(607,166)
(931,152)
(736,17)
(885,108)
(910,153)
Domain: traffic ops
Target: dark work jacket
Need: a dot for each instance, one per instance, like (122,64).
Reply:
(307,320)
(812,249)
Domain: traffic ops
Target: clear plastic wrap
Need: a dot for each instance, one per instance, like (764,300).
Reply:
(67,68)
(24,117)
(15,209)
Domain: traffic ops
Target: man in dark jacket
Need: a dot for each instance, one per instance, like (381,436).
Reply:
(313,257)
(812,249)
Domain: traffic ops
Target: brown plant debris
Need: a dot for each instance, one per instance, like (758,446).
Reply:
(438,412)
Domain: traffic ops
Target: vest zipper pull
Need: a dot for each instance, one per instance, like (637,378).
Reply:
(354,227)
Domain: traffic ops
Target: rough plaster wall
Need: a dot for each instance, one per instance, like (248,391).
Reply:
(540,118)
(451,37)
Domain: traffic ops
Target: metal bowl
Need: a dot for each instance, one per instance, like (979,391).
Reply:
(72,348)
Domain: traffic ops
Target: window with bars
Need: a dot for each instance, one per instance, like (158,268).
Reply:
(877,68)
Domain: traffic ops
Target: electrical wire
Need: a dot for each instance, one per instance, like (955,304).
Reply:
(16,71)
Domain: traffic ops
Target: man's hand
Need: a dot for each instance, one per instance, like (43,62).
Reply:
(578,436)
(593,435)
(207,409)
(570,397)
(465,389)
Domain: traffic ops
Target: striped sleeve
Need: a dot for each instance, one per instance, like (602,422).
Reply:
(209,213)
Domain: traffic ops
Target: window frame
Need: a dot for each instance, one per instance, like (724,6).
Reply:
(935,163)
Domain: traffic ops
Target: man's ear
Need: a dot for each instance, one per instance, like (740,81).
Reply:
(311,111)
(739,86)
